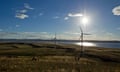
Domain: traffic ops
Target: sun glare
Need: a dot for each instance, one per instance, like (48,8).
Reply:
(86,44)
(85,20)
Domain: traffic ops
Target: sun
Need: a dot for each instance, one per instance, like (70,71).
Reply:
(84,20)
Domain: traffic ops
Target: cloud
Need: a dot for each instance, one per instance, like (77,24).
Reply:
(40,14)
(27,6)
(66,18)
(22,11)
(116,11)
(25,35)
(44,32)
(109,34)
(34,35)
(118,28)
(102,35)
(66,35)
(72,33)
(75,15)
(17,25)
(56,17)
(1,29)
(21,16)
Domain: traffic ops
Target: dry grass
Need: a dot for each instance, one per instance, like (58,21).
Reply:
(17,57)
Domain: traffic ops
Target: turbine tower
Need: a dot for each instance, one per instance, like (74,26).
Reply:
(81,39)
(55,40)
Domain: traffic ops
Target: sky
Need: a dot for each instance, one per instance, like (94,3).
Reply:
(41,19)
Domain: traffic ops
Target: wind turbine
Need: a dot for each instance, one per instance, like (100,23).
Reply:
(55,40)
(81,41)
(81,38)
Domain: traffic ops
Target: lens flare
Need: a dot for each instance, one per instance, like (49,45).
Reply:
(85,20)
(85,44)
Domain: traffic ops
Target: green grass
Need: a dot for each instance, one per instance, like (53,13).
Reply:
(17,57)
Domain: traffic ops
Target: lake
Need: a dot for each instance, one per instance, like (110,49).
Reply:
(97,44)
(105,44)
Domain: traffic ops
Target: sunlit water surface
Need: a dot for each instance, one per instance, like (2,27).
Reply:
(85,44)
(100,44)
(97,44)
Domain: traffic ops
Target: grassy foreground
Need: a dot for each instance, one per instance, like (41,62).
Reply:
(45,57)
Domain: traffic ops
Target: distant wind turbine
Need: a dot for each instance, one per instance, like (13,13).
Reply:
(55,40)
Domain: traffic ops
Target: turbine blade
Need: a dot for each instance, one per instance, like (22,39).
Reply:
(80,37)
(81,29)
(86,34)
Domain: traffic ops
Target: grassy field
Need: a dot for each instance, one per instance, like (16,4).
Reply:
(45,57)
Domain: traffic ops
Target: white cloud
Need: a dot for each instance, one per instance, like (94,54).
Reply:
(65,35)
(109,34)
(116,11)
(56,17)
(66,18)
(1,29)
(40,14)
(21,16)
(102,35)
(23,11)
(72,33)
(27,6)
(118,28)
(25,35)
(75,15)
(17,25)
(44,32)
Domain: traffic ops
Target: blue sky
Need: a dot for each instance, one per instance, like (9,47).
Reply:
(36,19)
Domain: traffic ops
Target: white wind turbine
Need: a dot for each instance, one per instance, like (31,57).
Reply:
(81,38)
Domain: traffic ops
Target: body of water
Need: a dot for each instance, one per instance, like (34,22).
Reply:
(105,44)
(98,44)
